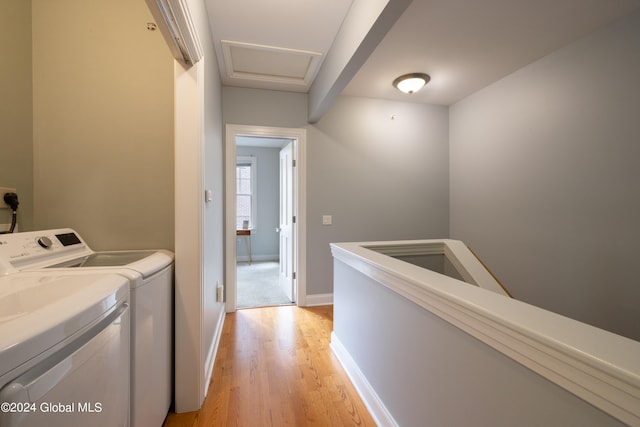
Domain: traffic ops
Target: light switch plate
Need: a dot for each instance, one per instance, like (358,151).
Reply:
(327,220)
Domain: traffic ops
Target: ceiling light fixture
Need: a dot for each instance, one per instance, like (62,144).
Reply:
(411,83)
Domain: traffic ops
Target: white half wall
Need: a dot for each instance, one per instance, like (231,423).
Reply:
(424,349)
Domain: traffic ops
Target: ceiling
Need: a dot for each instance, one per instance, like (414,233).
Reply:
(275,44)
(464,45)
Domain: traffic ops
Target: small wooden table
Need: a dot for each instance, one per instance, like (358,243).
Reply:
(247,235)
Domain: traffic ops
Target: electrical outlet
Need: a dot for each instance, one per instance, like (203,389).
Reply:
(219,292)
(3,191)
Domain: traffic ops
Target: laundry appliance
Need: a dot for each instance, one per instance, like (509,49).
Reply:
(64,349)
(150,276)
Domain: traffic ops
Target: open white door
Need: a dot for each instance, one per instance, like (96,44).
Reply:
(287,225)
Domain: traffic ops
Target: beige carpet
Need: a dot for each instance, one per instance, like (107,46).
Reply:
(258,285)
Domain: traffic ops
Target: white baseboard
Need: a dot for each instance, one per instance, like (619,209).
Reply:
(376,407)
(318,299)
(213,350)
(7,227)
(256,258)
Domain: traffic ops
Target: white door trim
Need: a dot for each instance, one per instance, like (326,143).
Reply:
(299,135)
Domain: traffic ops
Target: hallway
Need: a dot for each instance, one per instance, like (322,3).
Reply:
(274,367)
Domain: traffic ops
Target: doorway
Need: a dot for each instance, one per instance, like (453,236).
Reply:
(264,194)
(250,238)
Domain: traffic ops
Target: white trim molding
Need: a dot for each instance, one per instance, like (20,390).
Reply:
(258,258)
(213,351)
(600,367)
(369,397)
(319,299)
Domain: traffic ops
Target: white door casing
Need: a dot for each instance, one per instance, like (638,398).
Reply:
(298,135)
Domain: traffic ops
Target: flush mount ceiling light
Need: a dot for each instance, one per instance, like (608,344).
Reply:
(411,83)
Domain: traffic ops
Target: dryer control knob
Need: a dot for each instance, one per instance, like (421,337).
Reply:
(45,242)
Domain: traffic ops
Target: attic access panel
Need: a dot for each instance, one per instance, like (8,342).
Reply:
(252,62)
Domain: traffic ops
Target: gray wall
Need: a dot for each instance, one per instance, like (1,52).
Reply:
(545,166)
(243,106)
(16,105)
(379,178)
(102,123)
(264,239)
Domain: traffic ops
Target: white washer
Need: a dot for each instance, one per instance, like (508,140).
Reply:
(150,274)
(64,349)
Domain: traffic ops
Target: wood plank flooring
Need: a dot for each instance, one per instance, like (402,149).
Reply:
(274,367)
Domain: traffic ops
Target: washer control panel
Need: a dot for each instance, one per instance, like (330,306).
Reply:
(33,249)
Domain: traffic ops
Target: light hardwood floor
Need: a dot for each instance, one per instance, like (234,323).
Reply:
(274,367)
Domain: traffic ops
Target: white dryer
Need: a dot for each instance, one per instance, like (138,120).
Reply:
(150,275)
(64,350)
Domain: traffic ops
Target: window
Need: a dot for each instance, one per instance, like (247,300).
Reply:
(246,193)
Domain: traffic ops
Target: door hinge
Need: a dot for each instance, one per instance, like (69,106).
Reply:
(293,163)
(293,275)
(293,219)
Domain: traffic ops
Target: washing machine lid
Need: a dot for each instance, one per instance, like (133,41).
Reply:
(145,262)
(106,259)
(64,248)
(39,311)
